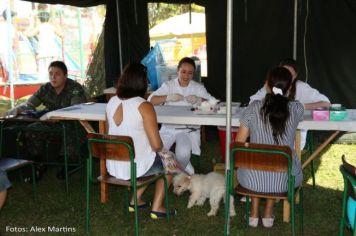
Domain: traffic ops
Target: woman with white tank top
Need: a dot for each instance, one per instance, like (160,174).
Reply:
(130,115)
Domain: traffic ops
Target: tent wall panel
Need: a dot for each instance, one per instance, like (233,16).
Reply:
(263,35)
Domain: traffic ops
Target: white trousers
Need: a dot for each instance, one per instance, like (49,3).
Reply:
(303,138)
(185,144)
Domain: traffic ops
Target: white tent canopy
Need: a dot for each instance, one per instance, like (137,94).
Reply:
(180,25)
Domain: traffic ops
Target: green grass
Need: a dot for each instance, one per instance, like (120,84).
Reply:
(56,208)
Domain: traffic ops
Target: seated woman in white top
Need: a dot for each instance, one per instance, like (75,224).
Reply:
(130,114)
(182,91)
(300,91)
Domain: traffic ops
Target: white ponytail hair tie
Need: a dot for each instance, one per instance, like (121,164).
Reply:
(276,91)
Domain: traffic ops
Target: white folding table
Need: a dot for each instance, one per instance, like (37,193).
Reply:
(183,115)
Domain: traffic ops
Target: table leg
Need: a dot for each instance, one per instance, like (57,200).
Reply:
(102,127)
(297,144)
(320,148)
(286,211)
(87,126)
(286,207)
(104,188)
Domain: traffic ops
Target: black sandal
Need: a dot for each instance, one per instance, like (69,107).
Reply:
(162,215)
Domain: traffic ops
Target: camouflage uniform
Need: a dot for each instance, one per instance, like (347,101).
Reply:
(37,133)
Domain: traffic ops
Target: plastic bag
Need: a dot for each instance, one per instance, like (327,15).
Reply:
(151,60)
(170,163)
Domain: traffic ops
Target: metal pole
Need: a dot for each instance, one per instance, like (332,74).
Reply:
(136,17)
(229,28)
(10,53)
(295,29)
(119,33)
(81,50)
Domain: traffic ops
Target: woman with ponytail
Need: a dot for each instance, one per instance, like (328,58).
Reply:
(273,120)
(299,90)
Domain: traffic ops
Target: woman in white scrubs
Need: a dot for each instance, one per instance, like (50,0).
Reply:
(182,91)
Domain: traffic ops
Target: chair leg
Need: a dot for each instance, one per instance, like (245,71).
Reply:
(343,212)
(65,158)
(34,186)
(126,200)
(247,210)
(87,213)
(18,146)
(46,150)
(292,205)
(301,210)
(166,203)
(135,206)
(78,151)
(312,173)
(310,143)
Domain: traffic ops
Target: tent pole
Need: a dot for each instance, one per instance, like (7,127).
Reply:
(229,28)
(119,33)
(10,54)
(81,49)
(295,29)
(135,7)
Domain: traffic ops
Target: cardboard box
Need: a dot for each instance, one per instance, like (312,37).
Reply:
(321,114)
(338,114)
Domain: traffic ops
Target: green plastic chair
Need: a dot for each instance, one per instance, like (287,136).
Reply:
(61,139)
(21,125)
(11,164)
(120,148)
(273,158)
(348,173)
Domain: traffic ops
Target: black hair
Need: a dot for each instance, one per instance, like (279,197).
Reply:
(275,108)
(133,81)
(187,60)
(60,65)
(292,63)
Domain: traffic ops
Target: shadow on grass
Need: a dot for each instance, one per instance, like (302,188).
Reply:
(67,212)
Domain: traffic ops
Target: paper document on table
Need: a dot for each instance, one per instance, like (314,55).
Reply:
(70,108)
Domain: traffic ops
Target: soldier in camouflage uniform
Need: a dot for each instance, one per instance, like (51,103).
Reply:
(60,92)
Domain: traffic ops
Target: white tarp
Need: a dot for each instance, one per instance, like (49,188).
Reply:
(180,25)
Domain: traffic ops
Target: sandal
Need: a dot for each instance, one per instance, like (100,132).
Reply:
(268,222)
(142,206)
(162,215)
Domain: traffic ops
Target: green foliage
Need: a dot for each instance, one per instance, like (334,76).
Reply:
(95,81)
(158,12)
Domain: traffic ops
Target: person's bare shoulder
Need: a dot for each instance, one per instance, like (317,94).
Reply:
(146,107)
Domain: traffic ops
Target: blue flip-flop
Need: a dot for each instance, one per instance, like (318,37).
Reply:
(162,215)
(142,206)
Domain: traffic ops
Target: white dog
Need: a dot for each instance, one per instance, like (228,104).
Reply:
(201,187)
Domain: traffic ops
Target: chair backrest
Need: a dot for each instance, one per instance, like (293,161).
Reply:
(349,173)
(261,156)
(112,147)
